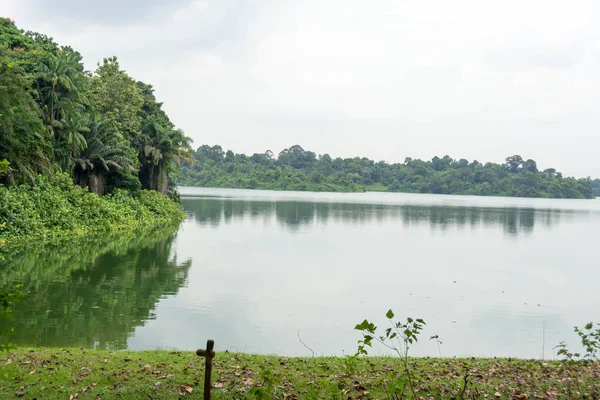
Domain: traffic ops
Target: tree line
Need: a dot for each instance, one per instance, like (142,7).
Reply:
(102,127)
(297,169)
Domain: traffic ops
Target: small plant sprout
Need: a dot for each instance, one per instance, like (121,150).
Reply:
(399,337)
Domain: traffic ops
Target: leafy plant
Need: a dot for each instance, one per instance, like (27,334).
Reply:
(399,337)
(4,164)
(590,340)
(55,208)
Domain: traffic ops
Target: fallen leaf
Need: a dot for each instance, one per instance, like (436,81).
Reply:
(185,388)
(247,381)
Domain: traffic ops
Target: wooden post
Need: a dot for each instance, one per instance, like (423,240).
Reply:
(209,354)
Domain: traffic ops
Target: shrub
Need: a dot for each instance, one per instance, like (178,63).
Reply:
(55,207)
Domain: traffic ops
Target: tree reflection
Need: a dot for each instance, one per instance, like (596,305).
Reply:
(295,214)
(82,298)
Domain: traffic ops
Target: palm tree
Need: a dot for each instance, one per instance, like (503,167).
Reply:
(105,151)
(60,84)
(160,147)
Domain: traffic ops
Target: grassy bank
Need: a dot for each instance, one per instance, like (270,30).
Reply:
(55,208)
(90,374)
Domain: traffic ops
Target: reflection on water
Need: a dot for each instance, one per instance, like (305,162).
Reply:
(294,214)
(491,276)
(92,293)
(319,264)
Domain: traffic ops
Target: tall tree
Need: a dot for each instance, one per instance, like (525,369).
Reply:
(161,146)
(22,140)
(115,96)
(60,86)
(106,152)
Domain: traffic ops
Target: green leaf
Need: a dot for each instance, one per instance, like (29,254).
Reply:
(362,326)
(390,314)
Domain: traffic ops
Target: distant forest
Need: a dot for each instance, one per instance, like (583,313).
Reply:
(297,169)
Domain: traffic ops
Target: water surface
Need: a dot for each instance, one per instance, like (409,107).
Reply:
(255,269)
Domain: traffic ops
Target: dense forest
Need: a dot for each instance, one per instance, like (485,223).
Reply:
(297,169)
(596,187)
(102,128)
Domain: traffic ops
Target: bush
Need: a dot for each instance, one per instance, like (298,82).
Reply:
(55,207)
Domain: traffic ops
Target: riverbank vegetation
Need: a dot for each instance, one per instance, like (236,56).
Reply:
(55,208)
(297,169)
(64,128)
(91,374)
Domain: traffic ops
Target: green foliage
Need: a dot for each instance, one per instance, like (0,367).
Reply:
(161,145)
(104,129)
(22,140)
(107,154)
(115,96)
(4,165)
(590,341)
(55,207)
(297,169)
(596,187)
(399,337)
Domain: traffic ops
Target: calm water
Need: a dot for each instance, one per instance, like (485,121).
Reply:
(251,269)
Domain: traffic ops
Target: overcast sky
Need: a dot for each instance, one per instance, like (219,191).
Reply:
(382,79)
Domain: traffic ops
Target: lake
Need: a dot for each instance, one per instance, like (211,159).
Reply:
(257,270)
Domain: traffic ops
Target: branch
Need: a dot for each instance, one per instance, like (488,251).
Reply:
(304,344)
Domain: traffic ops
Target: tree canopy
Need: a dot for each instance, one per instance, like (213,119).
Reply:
(596,187)
(102,127)
(297,169)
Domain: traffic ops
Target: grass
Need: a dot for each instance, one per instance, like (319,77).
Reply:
(93,374)
(376,187)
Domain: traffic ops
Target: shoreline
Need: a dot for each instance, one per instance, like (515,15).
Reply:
(49,373)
